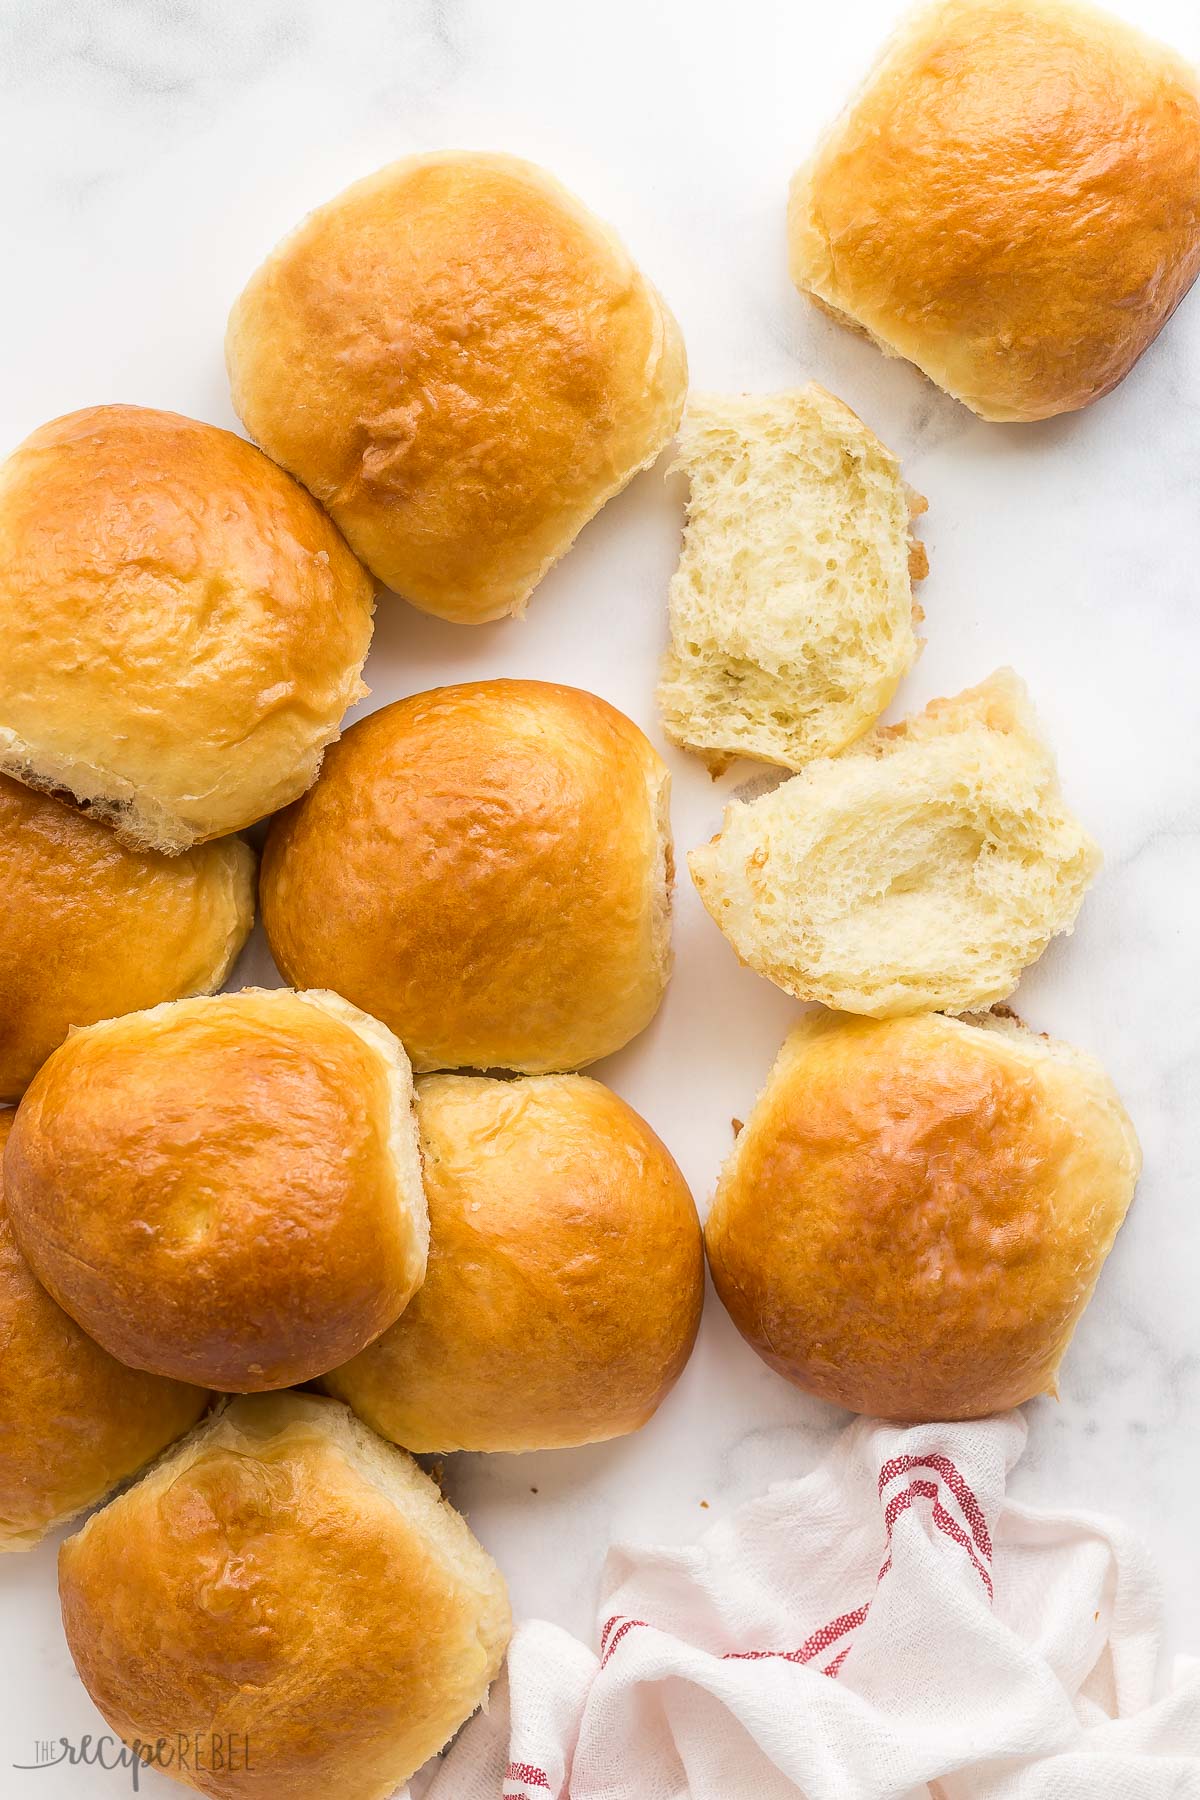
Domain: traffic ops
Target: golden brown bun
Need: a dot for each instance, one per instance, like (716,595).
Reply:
(565,1278)
(1010,202)
(182,628)
(73,1422)
(90,929)
(916,1212)
(294,1587)
(487,869)
(226,1190)
(463,365)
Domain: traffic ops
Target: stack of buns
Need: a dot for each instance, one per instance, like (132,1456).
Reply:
(389,1179)
(206,1194)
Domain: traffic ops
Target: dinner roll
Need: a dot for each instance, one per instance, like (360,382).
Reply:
(292,1599)
(791,609)
(90,928)
(73,1423)
(487,868)
(917,1210)
(1010,202)
(565,1281)
(463,365)
(226,1190)
(183,629)
(922,869)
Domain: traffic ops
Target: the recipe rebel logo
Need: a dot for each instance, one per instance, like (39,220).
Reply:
(202,1753)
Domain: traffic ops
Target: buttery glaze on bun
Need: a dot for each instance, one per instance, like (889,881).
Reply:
(917,1210)
(225,1190)
(74,1423)
(90,928)
(1012,202)
(487,869)
(295,1587)
(463,365)
(566,1273)
(182,627)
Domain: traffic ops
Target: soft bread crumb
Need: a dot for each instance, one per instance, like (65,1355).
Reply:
(922,869)
(138,820)
(791,610)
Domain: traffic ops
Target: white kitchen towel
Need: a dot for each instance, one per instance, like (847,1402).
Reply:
(891,1626)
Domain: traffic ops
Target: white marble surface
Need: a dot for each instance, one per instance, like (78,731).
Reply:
(155,149)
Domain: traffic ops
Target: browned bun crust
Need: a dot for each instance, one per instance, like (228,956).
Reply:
(225,1190)
(463,364)
(566,1274)
(74,1423)
(1012,201)
(289,1587)
(183,627)
(486,868)
(917,1210)
(90,928)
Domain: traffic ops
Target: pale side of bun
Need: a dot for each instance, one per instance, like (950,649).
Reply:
(295,1587)
(225,1190)
(74,1423)
(90,928)
(566,1274)
(923,869)
(792,608)
(917,1210)
(462,363)
(183,627)
(1010,202)
(487,869)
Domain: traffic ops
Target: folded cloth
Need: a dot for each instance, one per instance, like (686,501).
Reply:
(891,1626)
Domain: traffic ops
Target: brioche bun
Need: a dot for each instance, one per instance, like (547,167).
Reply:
(565,1279)
(224,1190)
(463,365)
(183,628)
(90,928)
(74,1423)
(487,869)
(1010,202)
(289,1586)
(917,1210)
